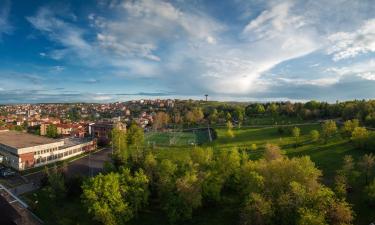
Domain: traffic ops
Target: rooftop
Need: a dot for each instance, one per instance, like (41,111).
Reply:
(19,140)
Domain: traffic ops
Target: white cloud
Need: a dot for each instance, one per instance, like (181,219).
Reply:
(350,44)
(5,27)
(365,70)
(69,36)
(275,36)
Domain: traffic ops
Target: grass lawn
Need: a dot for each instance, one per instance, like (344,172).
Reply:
(178,138)
(68,212)
(327,157)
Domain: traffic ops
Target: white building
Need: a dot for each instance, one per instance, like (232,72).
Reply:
(23,151)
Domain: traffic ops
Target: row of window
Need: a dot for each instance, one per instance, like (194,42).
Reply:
(57,156)
(45,151)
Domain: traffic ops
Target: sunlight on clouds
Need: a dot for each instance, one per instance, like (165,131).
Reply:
(348,45)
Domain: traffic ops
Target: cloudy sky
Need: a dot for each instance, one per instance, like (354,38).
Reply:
(246,50)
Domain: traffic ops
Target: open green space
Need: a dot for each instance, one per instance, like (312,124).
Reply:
(177,138)
(327,157)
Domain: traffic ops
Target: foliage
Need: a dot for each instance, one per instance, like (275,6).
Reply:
(296,132)
(230,132)
(367,163)
(349,127)
(329,128)
(314,135)
(115,198)
(161,120)
(360,136)
(52,131)
(370,192)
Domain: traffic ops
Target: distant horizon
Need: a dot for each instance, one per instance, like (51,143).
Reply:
(187,99)
(243,50)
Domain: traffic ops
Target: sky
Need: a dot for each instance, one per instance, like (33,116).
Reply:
(238,50)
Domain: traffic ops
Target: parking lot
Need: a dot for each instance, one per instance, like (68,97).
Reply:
(88,165)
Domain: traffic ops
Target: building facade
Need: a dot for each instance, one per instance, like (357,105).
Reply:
(23,151)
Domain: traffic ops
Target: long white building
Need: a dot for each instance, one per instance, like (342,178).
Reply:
(23,151)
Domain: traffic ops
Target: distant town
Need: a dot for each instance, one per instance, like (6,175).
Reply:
(75,128)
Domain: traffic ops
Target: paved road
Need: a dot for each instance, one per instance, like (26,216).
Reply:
(89,165)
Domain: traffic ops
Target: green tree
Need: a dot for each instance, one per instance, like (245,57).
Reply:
(272,152)
(135,136)
(311,217)
(134,189)
(253,147)
(56,183)
(257,211)
(329,128)
(102,196)
(115,198)
(349,127)
(296,132)
(213,116)
(51,131)
(367,163)
(370,192)
(314,135)
(230,132)
(360,136)
(120,146)
(259,109)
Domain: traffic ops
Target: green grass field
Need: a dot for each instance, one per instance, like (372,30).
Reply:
(179,138)
(327,157)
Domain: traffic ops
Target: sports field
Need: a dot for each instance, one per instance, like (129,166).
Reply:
(177,138)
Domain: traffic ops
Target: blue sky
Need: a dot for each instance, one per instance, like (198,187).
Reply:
(245,50)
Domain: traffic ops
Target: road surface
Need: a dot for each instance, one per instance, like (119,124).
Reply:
(89,165)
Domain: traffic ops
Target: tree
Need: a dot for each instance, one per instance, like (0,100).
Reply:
(314,135)
(228,117)
(296,132)
(329,128)
(311,217)
(202,157)
(150,166)
(257,211)
(360,136)
(367,162)
(230,132)
(253,147)
(135,135)
(272,152)
(349,127)
(341,185)
(120,146)
(340,213)
(51,131)
(259,109)
(194,116)
(272,109)
(347,170)
(56,182)
(115,198)
(134,189)
(161,119)
(213,116)
(102,197)
(370,192)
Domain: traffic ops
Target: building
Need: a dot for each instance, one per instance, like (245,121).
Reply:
(102,130)
(23,151)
